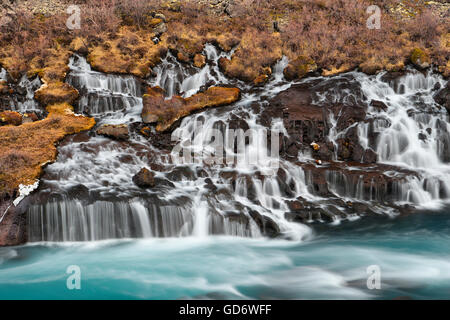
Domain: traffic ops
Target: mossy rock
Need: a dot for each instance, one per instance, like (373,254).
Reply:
(299,67)
(56,92)
(420,58)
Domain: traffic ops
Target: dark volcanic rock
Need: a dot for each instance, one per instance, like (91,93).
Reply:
(267,226)
(308,123)
(443,97)
(144,179)
(119,132)
(13,227)
(378,105)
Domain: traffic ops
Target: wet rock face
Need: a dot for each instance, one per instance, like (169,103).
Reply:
(144,179)
(13,226)
(442,97)
(309,124)
(118,132)
(167,112)
(267,226)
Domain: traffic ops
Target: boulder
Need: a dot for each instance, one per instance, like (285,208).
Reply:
(119,132)
(144,179)
(159,26)
(56,92)
(380,105)
(167,112)
(420,58)
(299,67)
(199,60)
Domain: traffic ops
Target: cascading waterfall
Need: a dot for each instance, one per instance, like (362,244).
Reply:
(174,77)
(23,102)
(105,95)
(413,132)
(3,74)
(249,198)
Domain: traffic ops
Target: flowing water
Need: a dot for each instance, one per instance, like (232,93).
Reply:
(88,212)
(412,254)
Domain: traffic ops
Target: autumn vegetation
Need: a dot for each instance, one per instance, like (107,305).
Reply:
(26,148)
(117,36)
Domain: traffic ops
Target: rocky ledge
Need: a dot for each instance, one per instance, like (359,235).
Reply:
(165,112)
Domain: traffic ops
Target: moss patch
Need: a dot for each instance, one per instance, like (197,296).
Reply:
(56,92)
(26,148)
(420,58)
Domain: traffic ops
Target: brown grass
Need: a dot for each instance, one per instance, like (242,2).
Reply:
(25,149)
(332,33)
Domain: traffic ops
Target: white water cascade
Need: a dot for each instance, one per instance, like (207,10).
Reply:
(413,133)
(238,198)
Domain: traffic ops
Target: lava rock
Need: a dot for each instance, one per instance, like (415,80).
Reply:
(119,132)
(144,179)
(370,156)
(380,105)
(268,227)
(442,97)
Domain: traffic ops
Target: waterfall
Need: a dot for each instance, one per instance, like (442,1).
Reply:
(175,77)
(3,74)
(115,99)
(413,133)
(22,99)
(247,190)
